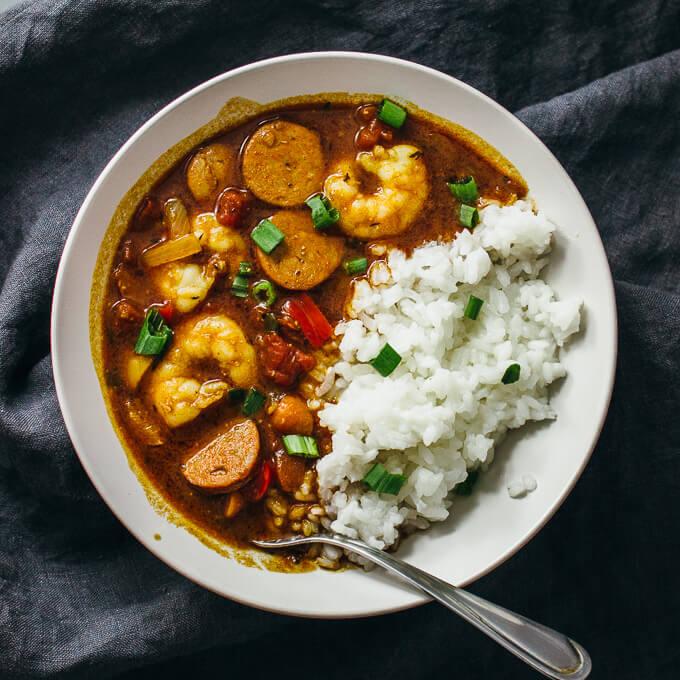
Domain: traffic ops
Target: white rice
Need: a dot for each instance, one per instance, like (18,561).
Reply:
(520,487)
(444,408)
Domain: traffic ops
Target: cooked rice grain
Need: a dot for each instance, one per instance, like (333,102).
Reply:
(444,408)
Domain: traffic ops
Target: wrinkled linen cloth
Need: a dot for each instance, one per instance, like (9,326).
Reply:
(599,83)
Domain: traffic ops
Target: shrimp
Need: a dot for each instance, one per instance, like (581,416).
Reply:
(185,284)
(188,284)
(176,392)
(391,209)
(215,236)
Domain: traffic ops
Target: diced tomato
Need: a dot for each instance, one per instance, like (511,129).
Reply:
(369,135)
(126,311)
(310,318)
(367,112)
(165,309)
(148,212)
(232,206)
(281,361)
(257,488)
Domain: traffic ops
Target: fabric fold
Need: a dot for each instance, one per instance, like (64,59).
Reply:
(599,83)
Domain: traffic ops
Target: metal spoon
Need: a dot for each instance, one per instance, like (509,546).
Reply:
(546,650)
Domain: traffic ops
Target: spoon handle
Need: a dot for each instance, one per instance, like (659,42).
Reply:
(546,650)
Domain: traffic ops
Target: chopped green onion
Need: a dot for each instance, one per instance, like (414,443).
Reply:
(297,445)
(468,216)
(386,361)
(237,394)
(472,308)
(239,286)
(263,292)
(267,236)
(323,213)
(154,334)
(374,475)
(254,402)
(380,480)
(464,189)
(245,269)
(511,374)
(391,113)
(357,266)
(270,322)
(465,487)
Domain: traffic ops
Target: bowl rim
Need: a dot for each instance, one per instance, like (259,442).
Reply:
(58,300)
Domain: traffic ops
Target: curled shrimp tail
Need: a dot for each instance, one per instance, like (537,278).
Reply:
(396,202)
(175,389)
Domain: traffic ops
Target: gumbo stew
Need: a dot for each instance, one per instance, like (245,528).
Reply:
(225,288)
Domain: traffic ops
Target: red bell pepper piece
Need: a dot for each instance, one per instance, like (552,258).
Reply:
(310,318)
(165,310)
(257,488)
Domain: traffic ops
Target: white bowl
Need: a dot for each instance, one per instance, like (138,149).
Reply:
(487,527)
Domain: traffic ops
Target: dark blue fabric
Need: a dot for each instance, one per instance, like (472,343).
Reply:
(599,82)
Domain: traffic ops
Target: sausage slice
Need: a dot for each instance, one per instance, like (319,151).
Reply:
(306,257)
(283,163)
(227,462)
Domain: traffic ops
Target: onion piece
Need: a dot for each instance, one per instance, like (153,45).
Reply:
(137,366)
(176,218)
(169,251)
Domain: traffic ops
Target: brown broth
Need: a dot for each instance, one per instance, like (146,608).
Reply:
(445,156)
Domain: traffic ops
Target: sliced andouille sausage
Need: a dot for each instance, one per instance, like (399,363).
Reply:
(208,171)
(291,416)
(290,470)
(283,163)
(305,257)
(227,462)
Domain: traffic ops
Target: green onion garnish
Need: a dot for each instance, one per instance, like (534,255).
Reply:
(357,266)
(237,394)
(380,480)
(297,445)
(472,308)
(323,213)
(254,402)
(468,216)
(239,286)
(511,374)
(386,361)
(270,322)
(391,113)
(154,334)
(245,269)
(264,293)
(465,487)
(464,189)
(267,236)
